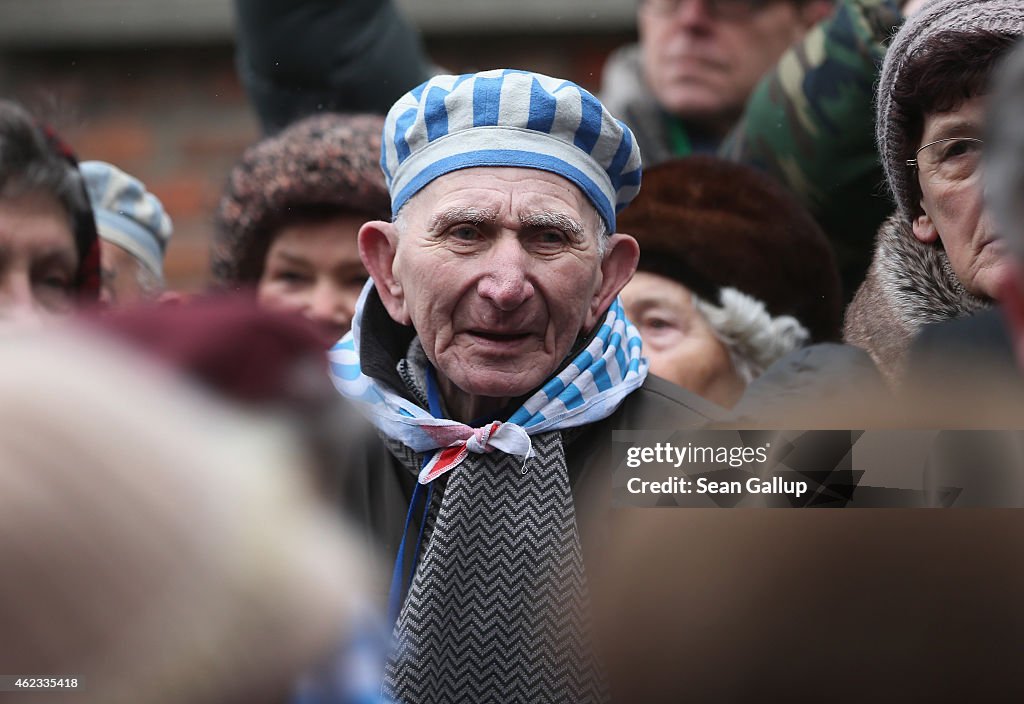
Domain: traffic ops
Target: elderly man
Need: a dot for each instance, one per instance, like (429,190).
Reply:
(133,230)
(491,352)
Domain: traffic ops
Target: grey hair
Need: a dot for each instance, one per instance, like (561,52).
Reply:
(754,338)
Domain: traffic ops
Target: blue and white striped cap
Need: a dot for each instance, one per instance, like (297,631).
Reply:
(127,214)
(506,117)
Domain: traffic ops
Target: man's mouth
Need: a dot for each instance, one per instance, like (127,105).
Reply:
(492,336)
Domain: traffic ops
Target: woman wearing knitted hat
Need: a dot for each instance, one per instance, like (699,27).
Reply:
(938,256)
(733,275)
(49,254)
(287,224)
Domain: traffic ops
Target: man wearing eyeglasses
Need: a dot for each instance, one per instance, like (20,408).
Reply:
(684,87)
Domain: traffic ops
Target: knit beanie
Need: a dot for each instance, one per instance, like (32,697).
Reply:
(713,225)
(322,164)
(938,17)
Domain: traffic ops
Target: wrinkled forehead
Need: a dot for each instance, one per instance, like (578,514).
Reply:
(505,193)
(966,120)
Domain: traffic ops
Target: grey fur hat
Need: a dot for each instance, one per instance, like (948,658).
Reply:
(940,16)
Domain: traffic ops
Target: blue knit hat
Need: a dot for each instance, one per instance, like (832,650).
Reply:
(127,214)
(506,117)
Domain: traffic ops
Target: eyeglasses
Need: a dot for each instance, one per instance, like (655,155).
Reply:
(948,161)
(718,9)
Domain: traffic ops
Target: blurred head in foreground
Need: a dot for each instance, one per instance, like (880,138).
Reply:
(265,361)
(152,543)
(49,255)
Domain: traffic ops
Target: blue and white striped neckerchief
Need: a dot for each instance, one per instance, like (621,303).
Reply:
(587,390)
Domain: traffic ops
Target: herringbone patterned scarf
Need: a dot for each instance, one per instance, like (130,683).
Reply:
(497,611)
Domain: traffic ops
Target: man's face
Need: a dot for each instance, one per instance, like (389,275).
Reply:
(952,200)
(702,58)
(38,260)
(678,341)
(499,271)
(314,269)
(120,272)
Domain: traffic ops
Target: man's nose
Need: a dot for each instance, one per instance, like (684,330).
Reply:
(505,281)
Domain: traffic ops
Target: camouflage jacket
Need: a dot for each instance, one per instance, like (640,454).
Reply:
(810,123)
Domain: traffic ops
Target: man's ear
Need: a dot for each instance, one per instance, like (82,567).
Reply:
(378,245)
(812,13)
(924,229)
(617,268)
(1011,301)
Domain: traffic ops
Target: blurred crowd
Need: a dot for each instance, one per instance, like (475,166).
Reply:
(370,462)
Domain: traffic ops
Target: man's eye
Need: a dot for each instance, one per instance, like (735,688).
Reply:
(549,239)
(464,233)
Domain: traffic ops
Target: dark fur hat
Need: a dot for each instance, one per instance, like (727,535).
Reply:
(712,224)
(323,165)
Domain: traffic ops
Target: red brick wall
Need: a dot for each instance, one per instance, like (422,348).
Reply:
(177,118)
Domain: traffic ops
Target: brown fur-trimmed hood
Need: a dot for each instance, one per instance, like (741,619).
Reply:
(909,285)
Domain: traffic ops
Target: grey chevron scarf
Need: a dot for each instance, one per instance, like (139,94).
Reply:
(498,608)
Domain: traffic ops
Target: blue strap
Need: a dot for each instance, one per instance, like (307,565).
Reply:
(400,586)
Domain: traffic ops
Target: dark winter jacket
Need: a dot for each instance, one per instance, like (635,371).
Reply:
(298,57)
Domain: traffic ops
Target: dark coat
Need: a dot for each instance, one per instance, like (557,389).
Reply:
(819,386)
(298,58)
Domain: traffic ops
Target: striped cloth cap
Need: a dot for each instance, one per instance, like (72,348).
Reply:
(506,117)
(127,214)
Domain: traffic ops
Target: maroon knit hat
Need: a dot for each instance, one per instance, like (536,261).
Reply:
(228,344)
(712,224)
(323,165)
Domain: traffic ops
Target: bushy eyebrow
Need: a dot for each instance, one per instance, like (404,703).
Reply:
(555,220)
(539,219)
(453,216)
